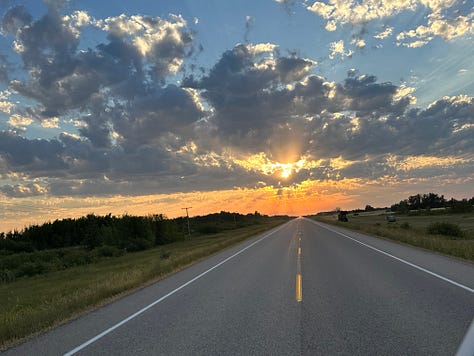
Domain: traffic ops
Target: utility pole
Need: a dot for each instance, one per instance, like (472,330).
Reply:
(187,215)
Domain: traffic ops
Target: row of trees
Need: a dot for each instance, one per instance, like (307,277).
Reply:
(130,233)
(433,201)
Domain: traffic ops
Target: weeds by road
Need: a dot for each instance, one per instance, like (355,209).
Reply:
(418,231)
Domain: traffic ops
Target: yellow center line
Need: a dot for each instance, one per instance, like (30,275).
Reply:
(299,288)
(299,278)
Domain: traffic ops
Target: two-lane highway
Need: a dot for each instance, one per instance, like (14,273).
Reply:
(304,288)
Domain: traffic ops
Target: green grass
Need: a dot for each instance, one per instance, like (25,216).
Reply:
(33,304)
(413,230)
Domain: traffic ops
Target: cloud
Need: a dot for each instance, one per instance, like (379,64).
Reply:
(437,26)
(337,49)
(445,18)
(6,105)
(63,77)
(161,42)
(19,121)
(15,18)
(255,116)
(387,32)
(23,190)
(35,158)
(51,123)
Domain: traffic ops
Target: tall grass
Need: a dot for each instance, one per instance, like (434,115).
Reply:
(462,247)
(36,303)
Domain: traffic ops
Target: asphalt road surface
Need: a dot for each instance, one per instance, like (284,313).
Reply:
(304,288)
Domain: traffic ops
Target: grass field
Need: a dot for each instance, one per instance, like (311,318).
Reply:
(37,303)
(412,229)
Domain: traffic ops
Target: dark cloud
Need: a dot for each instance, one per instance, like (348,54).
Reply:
(34,157)
(246,90)
(15,18)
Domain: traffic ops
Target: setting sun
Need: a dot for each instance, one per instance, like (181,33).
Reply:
(286,171)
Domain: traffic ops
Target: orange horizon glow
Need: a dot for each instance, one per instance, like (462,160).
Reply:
(303,199)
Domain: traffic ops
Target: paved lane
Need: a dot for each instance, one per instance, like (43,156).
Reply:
(354,300)
(359,301)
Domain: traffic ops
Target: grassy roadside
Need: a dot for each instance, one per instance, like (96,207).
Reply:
(34,304)
(412,230)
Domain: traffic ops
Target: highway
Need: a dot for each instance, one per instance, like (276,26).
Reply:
(304,288)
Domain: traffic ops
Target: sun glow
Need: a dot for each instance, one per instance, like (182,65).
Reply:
(260,162)
(286,170)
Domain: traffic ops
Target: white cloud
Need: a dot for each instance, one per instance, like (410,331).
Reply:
(360,43)
(6,106)
(444,18)
(331,26)
(148,34)
(357,12)
(404,91)
(385,33)
(337,49)
(51,123)
(19,121)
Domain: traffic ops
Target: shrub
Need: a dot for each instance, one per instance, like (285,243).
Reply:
(209,229)
(138,244)
(405,225)
(165,254)
(30,269)
(445,228)
(109,251)
(7,276)
(77,257)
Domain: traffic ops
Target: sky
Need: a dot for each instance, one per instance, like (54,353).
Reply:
(277,106)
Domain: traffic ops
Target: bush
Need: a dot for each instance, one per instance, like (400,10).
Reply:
(77,258)
(109,251)
(445,228)
(165,254)
(209,229)
(30,269)
(405,225)
(7,276)
(138,244)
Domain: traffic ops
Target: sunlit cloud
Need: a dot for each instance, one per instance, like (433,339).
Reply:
(19,121)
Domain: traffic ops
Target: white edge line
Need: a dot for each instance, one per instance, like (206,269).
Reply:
(467,345)
(397,258)
(141,311)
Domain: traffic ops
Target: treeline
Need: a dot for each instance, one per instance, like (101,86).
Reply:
(433,201)
(66,243)
(127,232)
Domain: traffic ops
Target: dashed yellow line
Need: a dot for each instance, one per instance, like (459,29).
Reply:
(299,278)
(299,288)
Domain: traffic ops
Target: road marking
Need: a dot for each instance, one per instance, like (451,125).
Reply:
(398,258)
(467,345)
(299,288)
(141,311)
(299,279)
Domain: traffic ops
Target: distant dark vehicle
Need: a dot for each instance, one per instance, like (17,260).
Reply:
(342,216)
(356,214)
(391,218)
